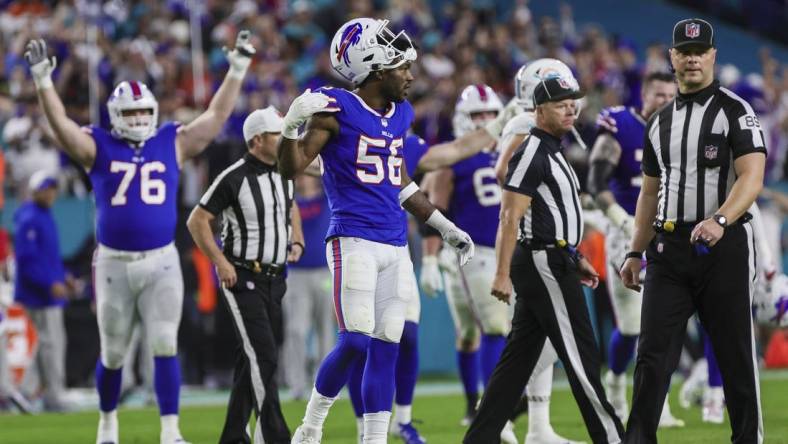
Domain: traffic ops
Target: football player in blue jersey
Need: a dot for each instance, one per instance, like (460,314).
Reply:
(614,180)
(360,135)
(135,170)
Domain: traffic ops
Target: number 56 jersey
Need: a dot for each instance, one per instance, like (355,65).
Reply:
(136,190)
(362,169)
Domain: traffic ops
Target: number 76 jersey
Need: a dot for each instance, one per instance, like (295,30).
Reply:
(136,190)
(362,169)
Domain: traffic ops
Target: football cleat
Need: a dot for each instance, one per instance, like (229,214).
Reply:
(548,437)
(713,406)
(616,390)
(667,420)
(408,434)
(306,435)
(507,434)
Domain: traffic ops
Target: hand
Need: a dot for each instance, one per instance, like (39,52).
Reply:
(303,107)
(588,276)
(608,123)
(630,273)
(431,278)
(226,272)
(296,250)
(59,290)
(709,231)
(240,57)
(502,288)
(461,242)
(41,66)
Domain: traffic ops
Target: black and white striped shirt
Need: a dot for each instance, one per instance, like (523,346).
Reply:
(690,145)
(539,169)
(255,202)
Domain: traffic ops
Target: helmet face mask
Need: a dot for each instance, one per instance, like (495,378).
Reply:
(365,45)
(477,105)
(124,106)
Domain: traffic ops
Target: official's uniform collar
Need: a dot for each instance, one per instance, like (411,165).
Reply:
(699,97)
(553,142)
(258,164)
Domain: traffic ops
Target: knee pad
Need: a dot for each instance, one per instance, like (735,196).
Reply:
(358,294)
(392,322)
(494,317)
(112,358)
(627,305)
(163,338)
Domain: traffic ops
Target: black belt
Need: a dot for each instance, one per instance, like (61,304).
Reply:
(669,226)
(559,244)
(268,270)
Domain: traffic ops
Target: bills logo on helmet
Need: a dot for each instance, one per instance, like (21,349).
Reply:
(350,37)
(692,30)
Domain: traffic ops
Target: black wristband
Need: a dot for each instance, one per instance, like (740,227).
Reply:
(634,255)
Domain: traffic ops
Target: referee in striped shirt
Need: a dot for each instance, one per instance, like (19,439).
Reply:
(258,217)
(703,166)
(541,196)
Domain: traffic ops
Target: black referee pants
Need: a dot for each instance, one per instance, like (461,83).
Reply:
(550,304)
(717,285)
(255,303)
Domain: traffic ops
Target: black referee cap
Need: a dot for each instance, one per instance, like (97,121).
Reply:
(695,32)
(555,89)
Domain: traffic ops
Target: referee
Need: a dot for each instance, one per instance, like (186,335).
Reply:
(258,216)
(541,195)
(703,166)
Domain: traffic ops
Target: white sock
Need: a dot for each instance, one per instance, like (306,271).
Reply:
(110,417)
(376,427)
(360,426)
(402,414)
(169,424)
(538,393)
(317,410)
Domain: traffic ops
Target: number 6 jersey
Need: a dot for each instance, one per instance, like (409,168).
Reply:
(362,169)
(136,190)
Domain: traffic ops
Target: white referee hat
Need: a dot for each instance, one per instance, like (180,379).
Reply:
(267,120)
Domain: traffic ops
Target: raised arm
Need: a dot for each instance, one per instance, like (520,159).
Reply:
(73,140)
(194,137)
(295,154)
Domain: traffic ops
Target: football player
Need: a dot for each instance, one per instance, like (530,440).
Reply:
(614,180)
(359,135)
(135,170)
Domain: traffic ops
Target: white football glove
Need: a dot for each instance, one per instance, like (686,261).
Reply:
(431,278)
(240,57)
(41,66)
(458,239)
(621,219)
(302,108)
(495,127)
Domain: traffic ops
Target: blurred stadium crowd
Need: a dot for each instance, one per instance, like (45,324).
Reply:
(460,43)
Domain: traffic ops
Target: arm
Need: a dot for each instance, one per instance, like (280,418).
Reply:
(509,146)
(645,213)
(449,153)
(605,155)
(194,137)
(297,236)
(72,139)
(749,182)
(513,207)
(27,251)
(295,155)
(438,184)
(199,225)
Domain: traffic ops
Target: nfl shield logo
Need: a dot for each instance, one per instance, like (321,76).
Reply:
(660,247)
(710,152)
(384,122)
(692,30)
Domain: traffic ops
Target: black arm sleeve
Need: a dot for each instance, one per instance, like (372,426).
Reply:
(598,174)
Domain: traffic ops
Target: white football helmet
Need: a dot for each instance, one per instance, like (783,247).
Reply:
(474,99)
(364,45)
(529,75)
(133,95)
(770,301)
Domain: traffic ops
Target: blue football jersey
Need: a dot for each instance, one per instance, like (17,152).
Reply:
(136,190)
(362,169)
(476,201)
(314,222)
(627,177)
(415,149)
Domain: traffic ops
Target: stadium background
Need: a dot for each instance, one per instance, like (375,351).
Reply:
(175,47)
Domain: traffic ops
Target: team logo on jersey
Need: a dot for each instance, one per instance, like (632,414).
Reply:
(710,152)
(692,30)
(384,122)
(350,37)
(660,247)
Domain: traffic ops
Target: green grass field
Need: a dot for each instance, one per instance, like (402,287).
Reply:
(440,416)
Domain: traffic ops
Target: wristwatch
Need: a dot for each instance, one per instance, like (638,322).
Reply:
(720,219)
